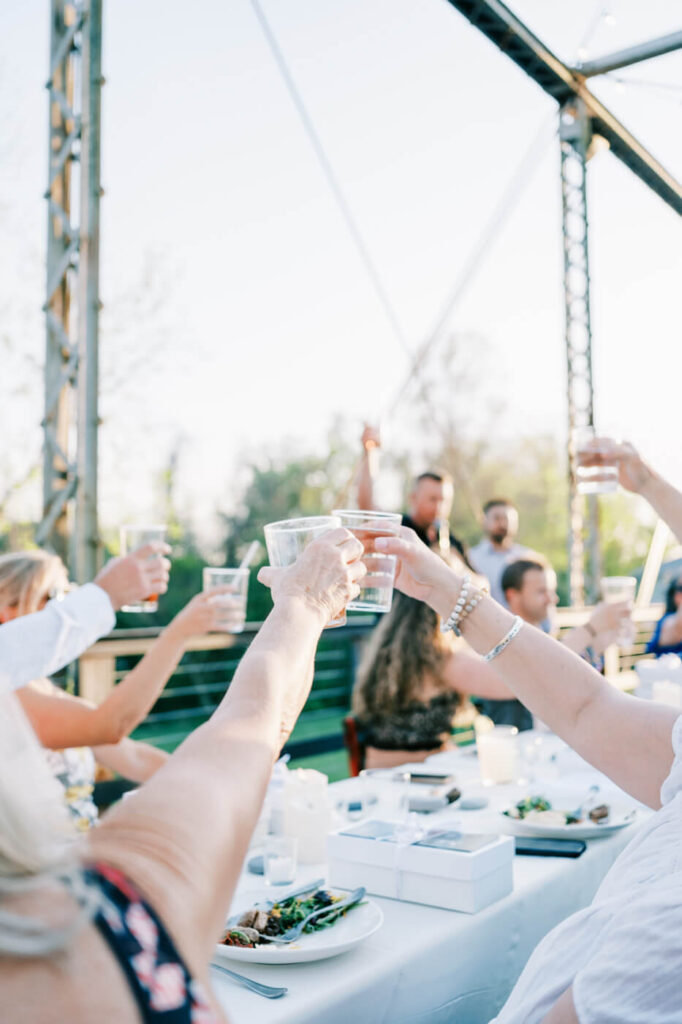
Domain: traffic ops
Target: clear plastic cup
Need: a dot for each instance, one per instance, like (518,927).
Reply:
(233,603)
(615,589)
(132,538)
(288,538)
(376,589)
(596,471)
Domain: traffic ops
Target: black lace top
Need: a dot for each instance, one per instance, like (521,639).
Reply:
(418,726)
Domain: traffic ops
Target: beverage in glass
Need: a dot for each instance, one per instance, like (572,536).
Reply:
(232,602)
(615,589)
(132,538)
(280,855)
(376,588)
(288,538)
(596,471)
(385,794)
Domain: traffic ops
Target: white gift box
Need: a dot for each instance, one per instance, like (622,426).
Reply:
(444,868)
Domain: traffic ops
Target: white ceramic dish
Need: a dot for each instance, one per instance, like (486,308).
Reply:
(620,817)
(358,925)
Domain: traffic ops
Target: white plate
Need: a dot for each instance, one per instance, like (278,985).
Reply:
(620,817)
(355,927)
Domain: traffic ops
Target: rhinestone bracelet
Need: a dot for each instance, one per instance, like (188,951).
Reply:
(514,631)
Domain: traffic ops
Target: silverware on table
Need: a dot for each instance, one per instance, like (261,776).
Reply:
(269,904)
(334,908)
(269,991)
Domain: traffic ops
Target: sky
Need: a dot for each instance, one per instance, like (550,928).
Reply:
(239,319)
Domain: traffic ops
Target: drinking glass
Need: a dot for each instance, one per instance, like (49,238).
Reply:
(280,855)
(376,589)
(615,589)
(385,794)
(232,603)
(498,752)
(288,538)
(596,471)
(133,537)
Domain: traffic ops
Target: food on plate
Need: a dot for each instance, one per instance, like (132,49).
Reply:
(539,809)
(599,813)
(256,923)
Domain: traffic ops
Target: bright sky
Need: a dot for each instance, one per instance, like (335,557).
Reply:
(269,325)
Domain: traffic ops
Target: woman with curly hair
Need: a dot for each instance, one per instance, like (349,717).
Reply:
(411,683)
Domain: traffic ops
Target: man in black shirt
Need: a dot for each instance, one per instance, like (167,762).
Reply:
(429,501)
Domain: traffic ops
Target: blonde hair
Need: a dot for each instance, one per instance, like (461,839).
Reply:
(406,649)
(26,577)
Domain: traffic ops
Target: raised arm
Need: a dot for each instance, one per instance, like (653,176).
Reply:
(369,467)
(626,738)
(63,721)
(182,837)
(39,644)
(637,476)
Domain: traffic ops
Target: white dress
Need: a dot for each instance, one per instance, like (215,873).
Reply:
(623,953)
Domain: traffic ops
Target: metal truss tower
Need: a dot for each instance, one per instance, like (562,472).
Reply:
(575,134)
(69,522)
(585,125)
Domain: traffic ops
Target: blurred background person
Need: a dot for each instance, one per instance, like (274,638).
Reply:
(412,682)
(429,501)
(498,547)
(667,636)
(42,642)
(78,734)
(529,588)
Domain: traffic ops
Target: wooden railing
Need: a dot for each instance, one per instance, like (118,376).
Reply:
(207,667)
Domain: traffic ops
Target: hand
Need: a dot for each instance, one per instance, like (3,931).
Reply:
(325,576)
(608,618)
(212,611)
(633,472)
(420,572)
(137,576)
(370,438)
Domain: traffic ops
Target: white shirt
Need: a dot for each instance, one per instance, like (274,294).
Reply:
(37,645)
(622,954)
(491,562)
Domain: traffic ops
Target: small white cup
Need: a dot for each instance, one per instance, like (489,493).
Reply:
(280,859)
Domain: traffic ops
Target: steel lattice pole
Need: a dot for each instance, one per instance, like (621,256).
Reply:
(575,138)
(70,421)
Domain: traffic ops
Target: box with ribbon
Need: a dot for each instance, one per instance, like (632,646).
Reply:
(441,868)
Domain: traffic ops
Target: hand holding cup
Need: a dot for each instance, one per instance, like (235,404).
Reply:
(325,576)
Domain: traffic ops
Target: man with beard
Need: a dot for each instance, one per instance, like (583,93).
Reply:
(498,549)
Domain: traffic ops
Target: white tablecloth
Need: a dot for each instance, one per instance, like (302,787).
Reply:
(431,965)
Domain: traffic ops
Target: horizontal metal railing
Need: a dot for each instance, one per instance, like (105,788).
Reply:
(210,662)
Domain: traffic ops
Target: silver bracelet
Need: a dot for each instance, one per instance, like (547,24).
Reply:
(498,648)
(456,613)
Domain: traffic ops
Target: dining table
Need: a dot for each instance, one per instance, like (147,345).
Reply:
(427,964)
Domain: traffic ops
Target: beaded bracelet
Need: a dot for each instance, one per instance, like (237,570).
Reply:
(498,648)
(465,605)
(456,613)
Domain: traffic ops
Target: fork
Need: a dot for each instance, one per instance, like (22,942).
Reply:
(269,904)
(293,933)
(578,812)
(269,991)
